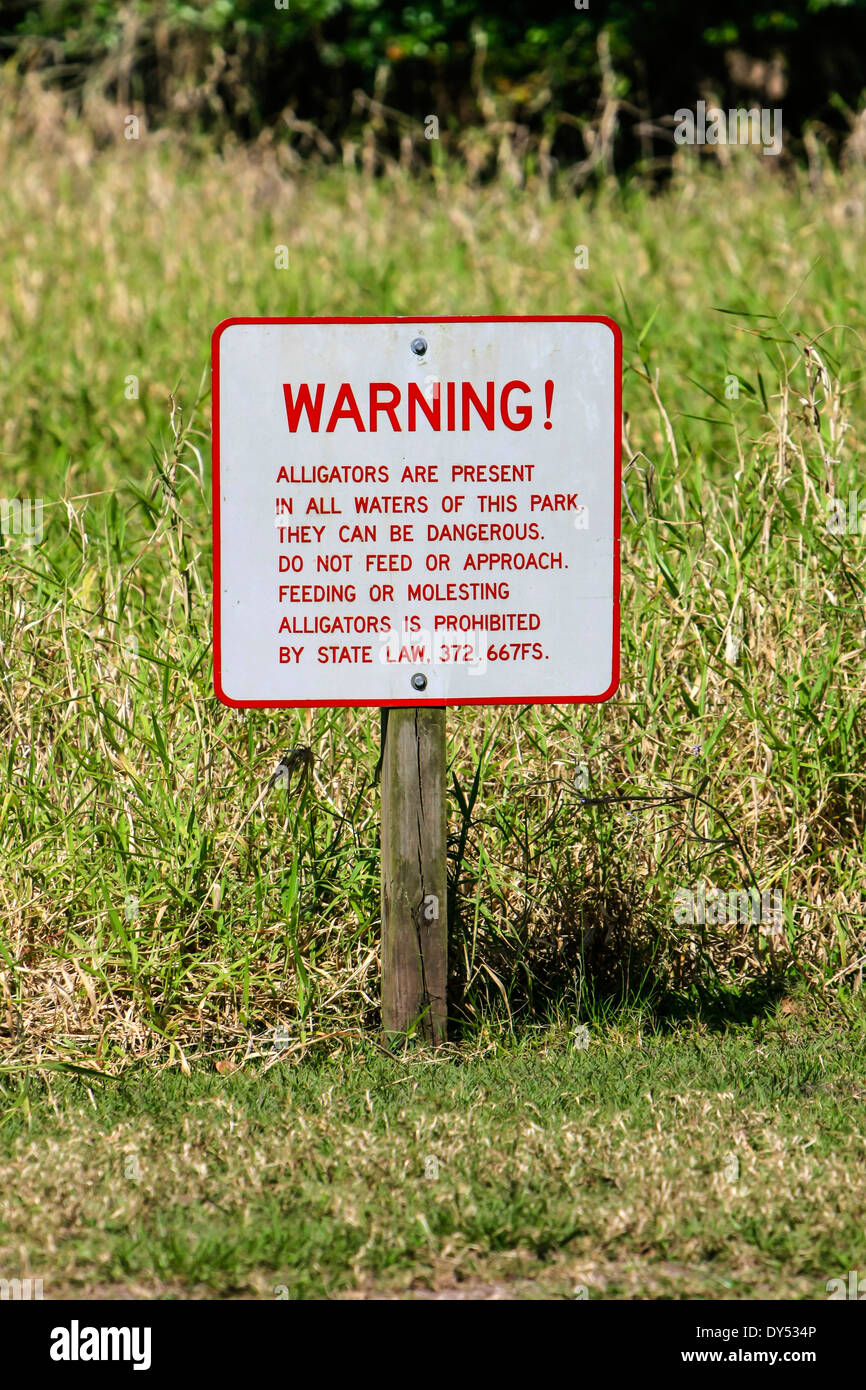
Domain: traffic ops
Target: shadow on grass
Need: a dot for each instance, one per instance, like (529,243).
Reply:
(601,961)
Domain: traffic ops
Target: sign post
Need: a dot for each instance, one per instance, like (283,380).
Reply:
(412,514)
(414,881)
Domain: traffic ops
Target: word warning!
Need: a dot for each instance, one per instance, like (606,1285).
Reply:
(413,512)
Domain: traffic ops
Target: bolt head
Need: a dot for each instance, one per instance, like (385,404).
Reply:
(419,346)
(419,682)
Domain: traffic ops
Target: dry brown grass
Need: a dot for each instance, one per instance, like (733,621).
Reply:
(742,633)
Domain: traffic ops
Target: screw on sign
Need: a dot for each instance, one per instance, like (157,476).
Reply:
(378,543)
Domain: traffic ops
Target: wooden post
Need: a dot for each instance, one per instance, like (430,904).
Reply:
(414,876)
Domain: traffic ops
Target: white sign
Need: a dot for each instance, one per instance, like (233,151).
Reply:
(416,511)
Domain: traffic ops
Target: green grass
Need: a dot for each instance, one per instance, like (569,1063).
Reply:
(151,905)
(679,1167)
(162,921)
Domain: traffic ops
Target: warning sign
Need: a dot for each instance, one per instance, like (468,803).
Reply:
(416,511)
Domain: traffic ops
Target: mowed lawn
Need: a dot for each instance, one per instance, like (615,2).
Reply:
(568,1167)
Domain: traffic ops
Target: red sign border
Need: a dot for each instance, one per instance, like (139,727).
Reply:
(414,321)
